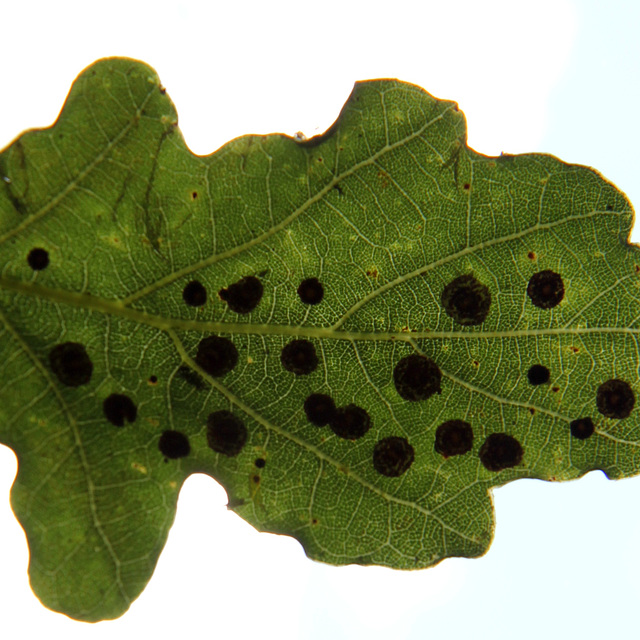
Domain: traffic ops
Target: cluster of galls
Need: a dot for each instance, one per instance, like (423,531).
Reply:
(416,378)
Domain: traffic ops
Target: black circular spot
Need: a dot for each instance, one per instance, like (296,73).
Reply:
(453,438)
(350,422)
(545,289)
(260,463)
(194,294)
(226,433)
(538,374)
(243,296)
(392,456)
(71,363)
(38,259)
(416,377)
(466,300)
(582,428)
(299,357)
(216,355)
(320,409)
(500,451)
(311,291)
(615,399)
(153,379)
(118,408)
(174,444)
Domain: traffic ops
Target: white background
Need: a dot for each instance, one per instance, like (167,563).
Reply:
(553,76)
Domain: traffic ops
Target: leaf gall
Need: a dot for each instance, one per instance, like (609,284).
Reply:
(500,451)
(38,259)
(174,444)
(311,291)
(299,357)
(194,294)
(466,300)
(545,289)
(217,355)
(392,456)
(453,438)
(320,409)
(118,407)
(615,399)
(243,296)
(226,433)
(71,364)
(416,377)
(350,422)
(582,428)
(538,374)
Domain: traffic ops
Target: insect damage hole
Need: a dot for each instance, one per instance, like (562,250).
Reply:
(392,456)
(416,377)
(545,289)
(118,407)
(217,355)
(466,300)
(500,451)
(226,433)
(615,399)
(453,438)
(243,296)
(174,444)
(71,364)
(38,259)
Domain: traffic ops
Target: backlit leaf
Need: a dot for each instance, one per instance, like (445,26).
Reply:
(358,335)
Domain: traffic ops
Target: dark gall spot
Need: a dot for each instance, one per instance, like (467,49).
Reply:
(538,374)
(609,207)
(392,456)
(226,433)
(243,296)
(545,289)
(500,451)
(466,186)
(416,377)
(466,300)
(216,355)
(38,259)
(194,294)
(311,291)
(320,409)
(153,380)
(453,438)
(118,408)
(350,422)
(299,357)
(531,255)
(260,463)
(71,364)
(192,377)
(194,195)
(555,389)
(582,428)
(174,444)
(615,399)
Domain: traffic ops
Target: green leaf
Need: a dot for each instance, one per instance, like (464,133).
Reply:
(358,335)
